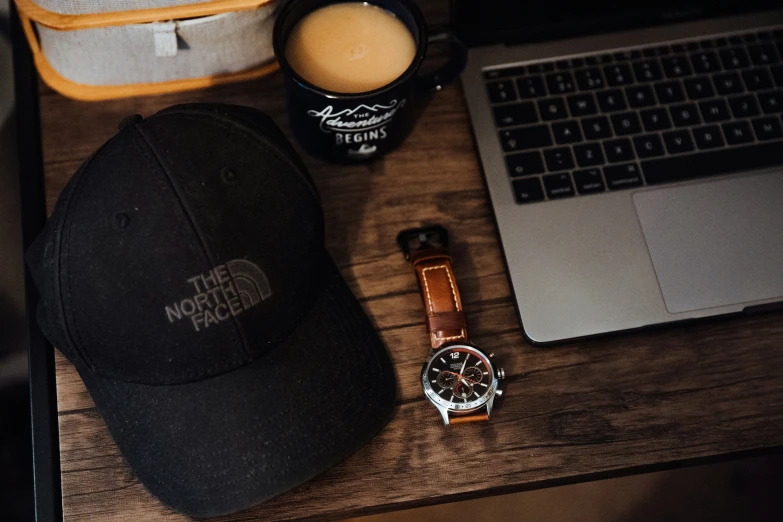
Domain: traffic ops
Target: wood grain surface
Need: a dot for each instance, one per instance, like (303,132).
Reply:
(572,412)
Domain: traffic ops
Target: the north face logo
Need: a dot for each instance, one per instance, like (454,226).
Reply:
(225,291)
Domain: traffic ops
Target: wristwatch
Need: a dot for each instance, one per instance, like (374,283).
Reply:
(458,377)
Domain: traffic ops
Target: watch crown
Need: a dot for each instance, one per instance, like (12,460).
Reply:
(501,373)
(498,393)
(491,355)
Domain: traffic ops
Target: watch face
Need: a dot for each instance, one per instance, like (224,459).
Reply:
(459,377)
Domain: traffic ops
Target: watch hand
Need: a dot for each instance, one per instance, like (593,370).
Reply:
(467,356)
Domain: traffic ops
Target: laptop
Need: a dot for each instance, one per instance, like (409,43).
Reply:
(633,156)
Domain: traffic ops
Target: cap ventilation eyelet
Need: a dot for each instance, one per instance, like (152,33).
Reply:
(228,175)
(121,220)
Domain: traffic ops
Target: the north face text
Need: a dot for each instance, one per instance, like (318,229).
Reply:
(221,293)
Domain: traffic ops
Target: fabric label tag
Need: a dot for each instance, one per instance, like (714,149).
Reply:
(165,39)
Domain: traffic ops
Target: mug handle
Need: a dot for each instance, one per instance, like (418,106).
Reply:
(436,80)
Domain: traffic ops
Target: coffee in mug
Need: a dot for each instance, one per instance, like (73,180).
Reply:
(351,73)
(350,47)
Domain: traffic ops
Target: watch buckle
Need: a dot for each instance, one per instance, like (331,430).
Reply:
(413,239)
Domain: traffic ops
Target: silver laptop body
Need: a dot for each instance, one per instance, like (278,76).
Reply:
(627,259)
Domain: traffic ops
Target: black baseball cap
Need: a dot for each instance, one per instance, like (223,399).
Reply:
(183,272)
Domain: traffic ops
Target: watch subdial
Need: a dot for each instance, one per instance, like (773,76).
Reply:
(473,375)
(463,389)
(447,379)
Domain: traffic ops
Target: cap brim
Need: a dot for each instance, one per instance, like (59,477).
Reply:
(229,442)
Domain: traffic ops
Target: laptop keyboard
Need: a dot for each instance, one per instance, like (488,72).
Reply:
(646,116)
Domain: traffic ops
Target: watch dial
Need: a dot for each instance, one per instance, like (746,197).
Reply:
(459,375)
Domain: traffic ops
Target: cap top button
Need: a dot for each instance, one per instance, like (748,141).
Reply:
(127,121)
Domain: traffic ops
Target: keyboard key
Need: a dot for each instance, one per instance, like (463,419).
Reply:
(618,150)
(596,128)
(735,40)
(541,67)
(708,137)
(618,74)
(743,106)
(552,109)
(582,105)
(771,102)
(679,48)
(749,38)
(705,62)
(495,74)
(626,123)
(699,88)
(663,50)
(622,56)
(734,58)
(589,181)
(693,46)
(559,159)
(763,54)
(647,71)
(757,79)
(623,176)
(656,119)
(524,164)
(515,114)
(669,92)
(560,83)
(589,154)
(737,132)
(531,87)
(525,138)
(678,142)
(714,110)
(588,79)
(641,96)
(676,67)
(648,146)
(721,42)
(728,83)
(777,74)
(721,161)
(570,64)
(528,190)
(649,52)
(767,128)
(684,115)
(502,91)
(558,186)
(566,132)
(610,101)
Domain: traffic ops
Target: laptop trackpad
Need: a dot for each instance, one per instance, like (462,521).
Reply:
(716,243)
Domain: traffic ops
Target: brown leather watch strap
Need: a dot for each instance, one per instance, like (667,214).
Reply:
(472,417)
(445,319)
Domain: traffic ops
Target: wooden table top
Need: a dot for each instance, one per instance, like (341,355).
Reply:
(574,412)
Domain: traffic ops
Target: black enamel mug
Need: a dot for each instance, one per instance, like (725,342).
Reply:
(348,128)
